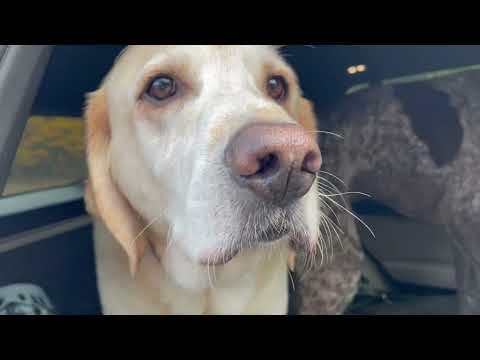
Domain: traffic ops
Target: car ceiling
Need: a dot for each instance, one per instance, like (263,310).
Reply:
(75,70)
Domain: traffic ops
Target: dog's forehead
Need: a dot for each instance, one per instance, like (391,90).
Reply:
(137,57)
(143,53)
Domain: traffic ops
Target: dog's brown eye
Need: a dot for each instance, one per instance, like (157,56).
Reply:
(277,88)
(162,88)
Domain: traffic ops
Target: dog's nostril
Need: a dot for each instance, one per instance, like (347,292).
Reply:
(268,165)
(312,162)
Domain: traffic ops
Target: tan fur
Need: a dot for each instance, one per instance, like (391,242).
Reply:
(306,115)
(110,205)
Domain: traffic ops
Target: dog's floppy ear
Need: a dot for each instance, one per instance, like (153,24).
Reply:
(306,115)
(103,197)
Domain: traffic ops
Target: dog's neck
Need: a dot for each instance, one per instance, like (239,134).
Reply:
(255,282)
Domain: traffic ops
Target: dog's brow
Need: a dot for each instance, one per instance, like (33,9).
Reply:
(171,63)
(121,54)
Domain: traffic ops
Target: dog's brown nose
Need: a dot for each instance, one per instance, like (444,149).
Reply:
(278,162)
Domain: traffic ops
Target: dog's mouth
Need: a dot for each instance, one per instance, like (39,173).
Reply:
(266,237)
(221,258)
(260,227)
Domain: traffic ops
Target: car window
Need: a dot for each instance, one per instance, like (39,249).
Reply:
(353,71)
(51,154)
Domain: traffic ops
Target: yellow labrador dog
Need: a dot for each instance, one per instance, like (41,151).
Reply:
(202,170)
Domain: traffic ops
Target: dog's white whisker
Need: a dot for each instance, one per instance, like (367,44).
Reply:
(151,223)
(327,133)
(170,239)
(334,228)
(332,175)
(331,190)
(328,233)
(347,193)
(322,202)
(337,226)
(321,245)
(355,216)
(210,284)
(291,280)
(326,184)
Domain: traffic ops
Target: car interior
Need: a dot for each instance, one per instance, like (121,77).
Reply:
(46,235)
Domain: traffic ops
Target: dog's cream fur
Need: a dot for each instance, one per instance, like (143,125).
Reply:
(159,192)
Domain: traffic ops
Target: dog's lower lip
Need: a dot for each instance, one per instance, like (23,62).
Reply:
(270,235)
(220,260)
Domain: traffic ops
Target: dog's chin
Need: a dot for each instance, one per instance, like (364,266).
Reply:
(259,227)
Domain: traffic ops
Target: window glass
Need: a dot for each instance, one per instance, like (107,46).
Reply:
(51,154)
(411,78)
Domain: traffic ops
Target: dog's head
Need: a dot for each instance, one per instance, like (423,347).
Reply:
(214,142)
